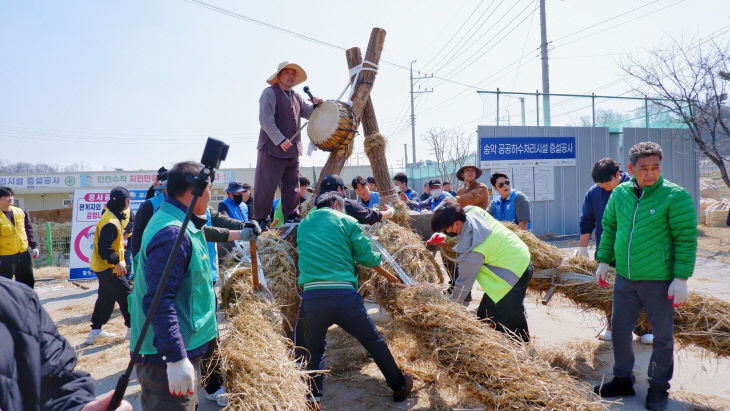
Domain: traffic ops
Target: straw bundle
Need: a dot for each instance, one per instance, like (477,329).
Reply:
(543,255)
(255,358)
(278,259)
(488,365)
(410,252)
(704,321)
(400,215)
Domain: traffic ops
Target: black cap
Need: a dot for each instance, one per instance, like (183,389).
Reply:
(434,182)
(162,174)
(234,187)
(118,193)
(331,183)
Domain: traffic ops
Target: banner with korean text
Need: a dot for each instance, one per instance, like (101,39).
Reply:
(508,152)
(88,206)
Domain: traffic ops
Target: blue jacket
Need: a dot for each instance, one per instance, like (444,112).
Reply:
(232,209)
(594,204)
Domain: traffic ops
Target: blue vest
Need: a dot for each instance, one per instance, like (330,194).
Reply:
(244,211)
(233,210)
(374,199)
(157,200)
(212,251)
(435,203)
(504,210)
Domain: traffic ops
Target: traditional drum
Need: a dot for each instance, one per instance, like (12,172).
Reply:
(332,125)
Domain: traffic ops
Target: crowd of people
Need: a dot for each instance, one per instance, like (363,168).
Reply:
(631,218)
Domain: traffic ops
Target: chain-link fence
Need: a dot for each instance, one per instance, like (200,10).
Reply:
(54,242)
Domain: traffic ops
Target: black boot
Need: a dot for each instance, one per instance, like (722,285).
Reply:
(617,387)
(656,399)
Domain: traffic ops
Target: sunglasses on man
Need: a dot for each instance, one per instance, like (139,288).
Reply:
(503,183)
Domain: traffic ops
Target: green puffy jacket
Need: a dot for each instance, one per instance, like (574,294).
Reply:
(652,237)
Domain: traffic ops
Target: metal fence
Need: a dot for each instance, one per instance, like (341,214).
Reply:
(54,243)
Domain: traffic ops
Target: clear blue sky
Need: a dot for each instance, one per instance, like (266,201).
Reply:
(138,84)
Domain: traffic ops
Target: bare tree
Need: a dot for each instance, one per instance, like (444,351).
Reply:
(452,148)
(604,118)
(690,82)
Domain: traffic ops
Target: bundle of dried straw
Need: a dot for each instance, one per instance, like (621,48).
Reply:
(255,357)
(704,321)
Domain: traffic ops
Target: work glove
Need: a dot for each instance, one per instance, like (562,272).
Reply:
(181,377)
(602,275)
(583,252)
(678,292)
(254,226)
(436,239)
(36,252)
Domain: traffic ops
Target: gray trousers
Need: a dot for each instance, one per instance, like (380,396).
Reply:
(628,299)
(156,393)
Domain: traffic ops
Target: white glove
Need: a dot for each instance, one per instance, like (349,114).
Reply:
(602,275)
(181,377)
(36,252)
(583,252)
(678,292)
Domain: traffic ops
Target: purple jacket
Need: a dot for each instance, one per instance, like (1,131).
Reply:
(168,340)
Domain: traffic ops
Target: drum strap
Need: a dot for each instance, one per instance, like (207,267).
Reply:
(355,71)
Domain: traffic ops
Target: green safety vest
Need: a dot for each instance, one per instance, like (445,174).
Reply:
(506,257)
(195,298)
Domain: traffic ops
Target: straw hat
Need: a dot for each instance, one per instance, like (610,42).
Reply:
(300,77)
(460,173)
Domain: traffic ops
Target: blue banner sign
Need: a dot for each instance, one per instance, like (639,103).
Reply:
(526,151)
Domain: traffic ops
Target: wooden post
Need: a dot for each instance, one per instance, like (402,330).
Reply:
(360,99)
(375,143)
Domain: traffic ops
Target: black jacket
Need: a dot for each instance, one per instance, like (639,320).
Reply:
(36,363)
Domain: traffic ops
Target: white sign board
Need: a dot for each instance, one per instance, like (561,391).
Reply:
(88,206)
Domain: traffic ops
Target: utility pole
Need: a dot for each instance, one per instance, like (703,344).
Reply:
(545,73)
(405,151)
(413,115)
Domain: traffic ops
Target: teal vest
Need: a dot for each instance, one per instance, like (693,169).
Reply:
(195,298)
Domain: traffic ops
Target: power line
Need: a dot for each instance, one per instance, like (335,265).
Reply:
(618,24)
(453,35)
(605,20)
(477,25)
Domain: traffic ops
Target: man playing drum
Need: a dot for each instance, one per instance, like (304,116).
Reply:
(280,109)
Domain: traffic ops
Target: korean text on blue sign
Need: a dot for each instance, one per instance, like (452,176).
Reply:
(526,151)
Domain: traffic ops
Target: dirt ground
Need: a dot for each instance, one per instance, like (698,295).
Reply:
(560,332)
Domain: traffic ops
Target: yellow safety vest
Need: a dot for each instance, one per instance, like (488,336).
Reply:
(506,257)
(13,239)
(98,263)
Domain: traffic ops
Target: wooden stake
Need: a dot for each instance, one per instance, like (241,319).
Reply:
(360,99)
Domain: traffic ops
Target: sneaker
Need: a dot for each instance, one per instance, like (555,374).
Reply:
(401,395)
(221,399)
(656,399)
(214,396)
(129,334)
(617,387)
(605,335)
(98,333)
(647,339)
